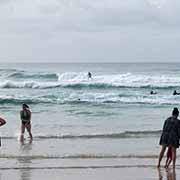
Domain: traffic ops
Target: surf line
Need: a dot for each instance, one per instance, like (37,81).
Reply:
(78,167)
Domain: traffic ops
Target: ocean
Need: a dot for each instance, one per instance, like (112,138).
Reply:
(112,116)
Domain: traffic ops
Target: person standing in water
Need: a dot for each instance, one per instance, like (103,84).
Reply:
(2,122)
(170,136)
(89,75)
(25,115)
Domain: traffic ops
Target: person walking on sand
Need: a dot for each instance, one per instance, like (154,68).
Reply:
(170,136)
(25,115)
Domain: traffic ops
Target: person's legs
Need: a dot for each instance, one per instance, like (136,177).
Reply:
(174,156)
(169,162)
(161,154)
(166,164)
(28,127)
(22,132)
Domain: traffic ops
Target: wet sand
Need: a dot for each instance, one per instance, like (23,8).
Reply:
(42,160)
(129,173)
(26,168)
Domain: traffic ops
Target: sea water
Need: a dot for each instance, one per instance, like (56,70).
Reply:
(112,115)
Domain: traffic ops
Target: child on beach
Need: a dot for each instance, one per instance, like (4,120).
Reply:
(169,157)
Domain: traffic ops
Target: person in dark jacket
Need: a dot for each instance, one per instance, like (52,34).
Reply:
(170,136)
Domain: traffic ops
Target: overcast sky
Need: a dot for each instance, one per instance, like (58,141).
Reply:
(89,30)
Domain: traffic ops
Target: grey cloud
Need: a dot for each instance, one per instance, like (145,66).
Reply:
(85,30)
(83,13)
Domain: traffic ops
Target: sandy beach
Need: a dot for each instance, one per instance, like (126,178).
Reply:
(89,89)
(102,169)
(30,162)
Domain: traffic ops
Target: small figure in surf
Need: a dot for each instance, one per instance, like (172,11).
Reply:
(169,157)
(153,92)
(2,122)
(89,75)
(176,93)
(25,115)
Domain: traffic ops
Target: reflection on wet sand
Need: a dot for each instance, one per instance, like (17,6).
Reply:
(25,161)
(167,174)
(25,174)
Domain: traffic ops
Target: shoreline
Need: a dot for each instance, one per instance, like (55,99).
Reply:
(26,168)
(105,173)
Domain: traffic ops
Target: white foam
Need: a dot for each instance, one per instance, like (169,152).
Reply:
(81,79)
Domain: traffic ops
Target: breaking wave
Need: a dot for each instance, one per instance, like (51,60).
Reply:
(121,135)
(11,78)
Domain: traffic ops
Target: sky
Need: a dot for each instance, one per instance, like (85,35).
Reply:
(89,30)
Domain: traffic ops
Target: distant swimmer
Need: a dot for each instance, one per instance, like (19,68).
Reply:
(89,75)
(153,92)
(176,93)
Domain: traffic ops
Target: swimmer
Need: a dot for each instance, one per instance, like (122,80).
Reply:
(176,93)
(153,92)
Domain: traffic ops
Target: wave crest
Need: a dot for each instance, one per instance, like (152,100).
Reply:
(11,79)
(121,135)
(19,75)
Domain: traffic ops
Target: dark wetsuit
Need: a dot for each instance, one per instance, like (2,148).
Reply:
(25,117)
(89,75)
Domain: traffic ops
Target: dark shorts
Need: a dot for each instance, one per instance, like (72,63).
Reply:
(25,122)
